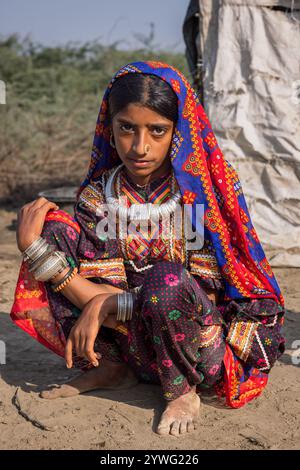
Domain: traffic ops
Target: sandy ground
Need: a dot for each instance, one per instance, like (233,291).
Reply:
(126,419)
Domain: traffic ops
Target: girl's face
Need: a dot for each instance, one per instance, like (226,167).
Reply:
(137,127)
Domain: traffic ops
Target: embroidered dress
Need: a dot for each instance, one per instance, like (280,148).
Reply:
(177,336)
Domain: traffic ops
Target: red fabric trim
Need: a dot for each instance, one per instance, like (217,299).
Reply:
(31,296)
(26,325)
(235,389)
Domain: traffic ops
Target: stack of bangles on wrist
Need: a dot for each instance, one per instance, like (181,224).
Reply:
(45,263)
(126,304)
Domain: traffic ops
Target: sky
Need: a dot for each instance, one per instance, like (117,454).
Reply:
(57,22)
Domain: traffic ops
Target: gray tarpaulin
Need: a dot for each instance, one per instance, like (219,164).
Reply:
(245,59)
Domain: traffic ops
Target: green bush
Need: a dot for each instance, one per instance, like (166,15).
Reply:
(52,101)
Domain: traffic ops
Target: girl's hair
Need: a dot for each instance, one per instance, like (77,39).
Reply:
(145,90)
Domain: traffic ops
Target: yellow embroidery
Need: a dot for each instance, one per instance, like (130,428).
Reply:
(112,269)
(204,264)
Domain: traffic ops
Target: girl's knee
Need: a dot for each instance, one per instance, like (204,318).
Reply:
(165,274)
(53,228)
(56,229)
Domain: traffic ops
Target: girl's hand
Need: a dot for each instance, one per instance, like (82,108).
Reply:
(83,334)
(31,220)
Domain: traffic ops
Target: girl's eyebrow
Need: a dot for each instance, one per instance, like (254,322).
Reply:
(156,124)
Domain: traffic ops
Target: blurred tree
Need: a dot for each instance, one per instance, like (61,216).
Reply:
(52,101)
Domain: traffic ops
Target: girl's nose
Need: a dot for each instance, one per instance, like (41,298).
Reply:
(139,144)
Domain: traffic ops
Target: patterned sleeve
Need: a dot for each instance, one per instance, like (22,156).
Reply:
(254,331)
(99,255)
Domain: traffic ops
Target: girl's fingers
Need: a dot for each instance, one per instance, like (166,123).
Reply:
(81,347)
(77,346)
(47,206)
(40,200)
(90,353)
(68,353)
(26,206)
(37,206)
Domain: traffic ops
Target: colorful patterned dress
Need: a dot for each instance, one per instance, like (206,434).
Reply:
(177,336)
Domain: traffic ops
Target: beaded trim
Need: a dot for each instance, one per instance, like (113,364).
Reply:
(63,284)
(240,337)
(112,269)
(91,197)
(205,264)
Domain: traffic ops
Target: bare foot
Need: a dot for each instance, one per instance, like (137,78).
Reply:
(180,415)
(108,376)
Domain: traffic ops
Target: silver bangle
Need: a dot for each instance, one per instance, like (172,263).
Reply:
(125,306)
(121,310)
(35,250)
(51,266)
(40,250)
(44,263)
(34,265)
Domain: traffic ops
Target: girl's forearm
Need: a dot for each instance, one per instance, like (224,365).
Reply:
(109,312)
(80,290)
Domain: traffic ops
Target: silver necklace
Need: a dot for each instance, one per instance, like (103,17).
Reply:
(123,241)
(139,211)
(142,186)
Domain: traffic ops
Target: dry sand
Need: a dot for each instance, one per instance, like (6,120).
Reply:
(126,419)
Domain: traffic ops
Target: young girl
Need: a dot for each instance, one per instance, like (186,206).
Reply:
(129,302)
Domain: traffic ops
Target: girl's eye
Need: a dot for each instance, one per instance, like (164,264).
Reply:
(158,131)
(126,127)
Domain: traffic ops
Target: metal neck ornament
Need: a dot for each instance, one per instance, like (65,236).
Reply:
(139,211)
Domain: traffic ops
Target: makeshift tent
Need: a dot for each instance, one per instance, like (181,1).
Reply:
(245,60)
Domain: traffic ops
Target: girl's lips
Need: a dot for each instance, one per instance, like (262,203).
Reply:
(140,163)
